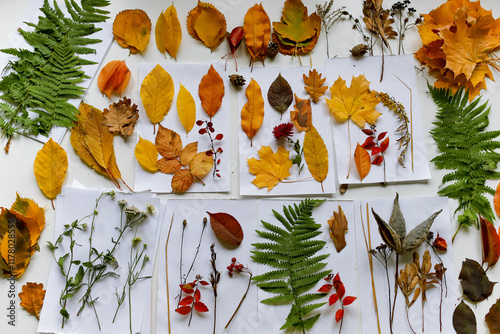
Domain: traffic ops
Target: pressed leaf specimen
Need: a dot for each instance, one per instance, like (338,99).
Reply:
(464,320)
(316,155)
(226,227)
(314,85)
(272,168)
(493,318)
(121,117)
(362,161)
(291,249)
(475,284)
(131,30)
(280,95)
(252,113)
(211,92)
(468,150)
(168,32)
(337,226)
(207,24)
(113,78)
(490,241)
(377,144)
(301,115)
(32,296)
(257,28)
(234,40)
(43,79)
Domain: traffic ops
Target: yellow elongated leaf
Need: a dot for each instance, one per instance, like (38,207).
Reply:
(98,139)
(168,32)
(257,27)
(252,114)
(316,155)
(157,93)
(186,109)
(272,168)
(32,296)
(211,91)
(363,161)
(51,164)
(33,216)
(77,141)
(147,155)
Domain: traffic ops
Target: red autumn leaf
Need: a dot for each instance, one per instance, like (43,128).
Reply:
(339,315)
(336,280)
(367,132)
(368,140)
(491,242)
(348,300)
(235,38)
(204,283)
(381,135)
(325,288)
(376,150)
(197,295)
(183,310)
(341,290)
(187,288)
(186,301)
(384,144)
(333,299)
(226,227)
(200,307)
(219,136)
(378,160)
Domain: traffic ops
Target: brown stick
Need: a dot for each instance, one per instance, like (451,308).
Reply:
(166,270)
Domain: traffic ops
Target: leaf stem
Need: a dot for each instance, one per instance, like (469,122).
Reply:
(241,301)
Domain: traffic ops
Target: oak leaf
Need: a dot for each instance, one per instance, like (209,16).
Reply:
(147,155)
(338,228)
(186,108)
(314,85)
(131,29)
(252,113)
(272,168)
(32,296)
(168,32)
(490,241)
(211,91)
(157,93)
(121,117)
(50,167)
(280,94)
(226,227)
(362,161)
(316,155)
(257,27)
(114,77)
(301,115)
(207,24)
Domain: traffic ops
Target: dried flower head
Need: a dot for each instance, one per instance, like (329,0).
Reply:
(136,240)
(150,209)
(283,130)
(440,244)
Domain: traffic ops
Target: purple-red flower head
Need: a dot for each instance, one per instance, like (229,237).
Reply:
(283,130)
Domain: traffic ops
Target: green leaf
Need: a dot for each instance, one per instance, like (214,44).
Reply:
(464,320)
(475,284)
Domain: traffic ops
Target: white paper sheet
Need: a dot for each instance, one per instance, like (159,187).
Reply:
(189,74)
(230,290)
(264,137)
(415,210)
(401,67)
(74,204)
(271,318)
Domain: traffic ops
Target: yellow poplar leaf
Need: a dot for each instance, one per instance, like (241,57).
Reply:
(301,115)
(97,137)
(186,109)
(182,180)
(200,165)
(272,168)
(188,152)
(147,155)
(131,29)
(22,250)
(211,91)
(252,114)
(257,27)
(363,161)
(168,32)
(168,143)
(51,164)
(314,85)
(32,296)
(316,155)
(157,93)
(356,103)
(33,216)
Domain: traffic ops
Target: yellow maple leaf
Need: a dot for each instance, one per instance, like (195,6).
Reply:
(157,93)
(131,29)
(186,108)
(147,155)
(50,166)
(168,32)
(252,113)
(32,296)
(272,168)
(316,155)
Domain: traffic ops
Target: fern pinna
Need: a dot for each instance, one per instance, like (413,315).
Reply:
(292,249)
(43,79)
(467,149)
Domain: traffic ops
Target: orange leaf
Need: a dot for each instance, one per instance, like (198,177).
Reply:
(114,77)
(211,91)
(338,228)
(168,143)
(491,242)
(339,315)
(301,115)
(348,300)
(252,113)
(226,227)
(314,85)
(32,298)
(362,160)
(167,166)
(496,200)
(207,24)
(182,180)
(131,29)
(121,117)
(257,27)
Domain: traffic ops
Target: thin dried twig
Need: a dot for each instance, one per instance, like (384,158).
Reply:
(166,271)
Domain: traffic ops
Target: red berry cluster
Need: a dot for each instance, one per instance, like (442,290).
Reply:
(209,130)
(235,267)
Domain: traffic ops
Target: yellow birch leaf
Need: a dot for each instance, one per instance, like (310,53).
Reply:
(211,91)
(301,115)
(168,32)
(252,114)
(147,155)
(210,28)
(157,93)
(97,137)
(314,85)
(131,29)
(316,155)
(33,216)
(51,164)
(257,27)
(32,296)
(186,108)
(272,168)
(363,161)
(77,141)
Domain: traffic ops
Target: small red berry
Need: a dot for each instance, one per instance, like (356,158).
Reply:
(210,124)
(233,259)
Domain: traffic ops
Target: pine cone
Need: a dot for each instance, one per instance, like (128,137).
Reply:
(359,50)
(272,49)
(237,80)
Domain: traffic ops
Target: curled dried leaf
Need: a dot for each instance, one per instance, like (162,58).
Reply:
(114,77)
(131,29)
(301,115)
(121,117)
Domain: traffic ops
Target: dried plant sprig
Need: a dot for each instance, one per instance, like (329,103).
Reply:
(423,277)
(192,300)
(235,268)
(214,280)
(213,151)
(407,281)
(328,19)
(383,253)
(401,13)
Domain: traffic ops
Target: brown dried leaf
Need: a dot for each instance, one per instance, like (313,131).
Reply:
(464,320)
(338,229)
(493,318)
(280,94)
(301,115)
(32,298)
(121,117)
(314,85)
(226,227)
(475,284)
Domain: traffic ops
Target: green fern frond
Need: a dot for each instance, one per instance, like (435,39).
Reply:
(467,149)
(43,79)
(293,249)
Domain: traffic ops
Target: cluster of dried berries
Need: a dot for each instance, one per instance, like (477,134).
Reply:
(235,268)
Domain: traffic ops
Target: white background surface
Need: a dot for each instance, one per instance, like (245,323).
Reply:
(16,168)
